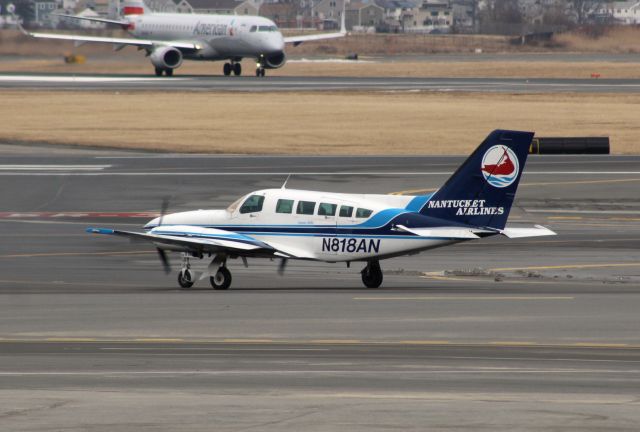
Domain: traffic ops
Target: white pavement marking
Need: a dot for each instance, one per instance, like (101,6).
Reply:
(285,173)
(72,79)
(20,167)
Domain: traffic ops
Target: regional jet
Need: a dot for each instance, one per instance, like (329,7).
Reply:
(170,38)
(333,227)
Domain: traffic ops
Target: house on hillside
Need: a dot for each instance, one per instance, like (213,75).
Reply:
(621,12)
(429,17)
(222,7)
(363,16)
(329,13)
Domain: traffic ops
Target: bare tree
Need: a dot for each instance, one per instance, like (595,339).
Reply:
(582,9)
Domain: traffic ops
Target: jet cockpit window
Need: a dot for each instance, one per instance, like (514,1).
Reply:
(305,207)
(253,29)
(326,209)
(346,211)
(284,206)
(267,28)
(252,204)
(363,213)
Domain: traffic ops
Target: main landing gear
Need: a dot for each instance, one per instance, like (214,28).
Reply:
(372,274)
(219,274)
(234,67)
(167,72)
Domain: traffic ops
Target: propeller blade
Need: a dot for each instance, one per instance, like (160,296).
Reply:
(165,261)
(163,209)
(282,266)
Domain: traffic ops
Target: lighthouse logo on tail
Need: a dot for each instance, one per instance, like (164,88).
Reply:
(500,166)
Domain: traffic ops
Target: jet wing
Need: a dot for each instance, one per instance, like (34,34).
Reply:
(116,41)
(95,19)
(297,40)
(194,239)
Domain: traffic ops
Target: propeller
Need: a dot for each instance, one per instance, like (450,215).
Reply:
(282,266)
(165,261)
(161,253)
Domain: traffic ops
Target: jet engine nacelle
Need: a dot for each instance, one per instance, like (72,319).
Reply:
(166,58)
(275,61)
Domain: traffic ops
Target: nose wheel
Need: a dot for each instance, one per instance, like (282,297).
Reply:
(372,275)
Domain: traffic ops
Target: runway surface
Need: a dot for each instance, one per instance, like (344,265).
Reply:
(531,334)
(283,84)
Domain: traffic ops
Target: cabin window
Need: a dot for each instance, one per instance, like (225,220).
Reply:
(252,204)
(305,207)
(253,28)
(284,206)
(326,209)
(363,213)
(346,211)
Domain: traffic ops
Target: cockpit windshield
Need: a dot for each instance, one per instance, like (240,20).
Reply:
(267,28)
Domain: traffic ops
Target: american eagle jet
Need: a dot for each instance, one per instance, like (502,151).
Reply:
(337,227)
(170,38)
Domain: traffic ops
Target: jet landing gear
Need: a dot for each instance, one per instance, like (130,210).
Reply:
(260,67)
(234,67)
(167,72)
(372,275)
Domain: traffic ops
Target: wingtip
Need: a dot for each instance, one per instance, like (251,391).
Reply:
(92,230)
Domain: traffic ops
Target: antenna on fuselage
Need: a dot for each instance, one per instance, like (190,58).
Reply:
(284,185)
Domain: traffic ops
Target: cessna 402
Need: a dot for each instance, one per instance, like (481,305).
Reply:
(336,227)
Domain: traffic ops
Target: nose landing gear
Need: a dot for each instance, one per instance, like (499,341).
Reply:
(260,67)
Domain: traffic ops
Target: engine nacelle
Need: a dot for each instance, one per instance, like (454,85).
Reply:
(275,61)
(166,58)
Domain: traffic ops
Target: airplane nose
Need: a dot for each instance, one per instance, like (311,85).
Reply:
(152,223)
(274,43)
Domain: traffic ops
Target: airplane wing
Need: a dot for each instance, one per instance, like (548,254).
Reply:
(441,232)
(297,40)
(194,239)
(116,41)
(518,232)
(95,19)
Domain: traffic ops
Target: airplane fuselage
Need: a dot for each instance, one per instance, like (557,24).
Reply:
(321,226)
(221,36)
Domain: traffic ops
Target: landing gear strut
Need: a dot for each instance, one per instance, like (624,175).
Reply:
(185,275)
(372,275)
(260,67)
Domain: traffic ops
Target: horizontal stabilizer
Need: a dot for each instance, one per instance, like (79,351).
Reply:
(537,231)
(441,232)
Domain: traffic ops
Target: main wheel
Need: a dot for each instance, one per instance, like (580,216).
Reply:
(159,71)
(226,69)
(168,72)
(237,69)
(221,280)
(185,280)
(372,275)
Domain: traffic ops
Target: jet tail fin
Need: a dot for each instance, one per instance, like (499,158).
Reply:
(480,193)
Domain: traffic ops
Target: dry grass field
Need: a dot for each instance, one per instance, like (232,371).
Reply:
(365,68)
(309,123)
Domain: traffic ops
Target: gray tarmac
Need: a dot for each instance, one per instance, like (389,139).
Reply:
(115,82)
(530,334)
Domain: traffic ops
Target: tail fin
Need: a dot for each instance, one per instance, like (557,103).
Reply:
(133,7)
(480,193)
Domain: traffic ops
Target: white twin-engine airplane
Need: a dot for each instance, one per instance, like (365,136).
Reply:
(169,38)
(337,227)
